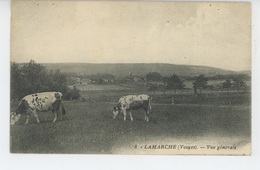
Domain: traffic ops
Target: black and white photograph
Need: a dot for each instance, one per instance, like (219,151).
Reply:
(130,78)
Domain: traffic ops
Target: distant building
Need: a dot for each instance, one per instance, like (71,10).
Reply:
(86,81)
(139,79)
(78,80)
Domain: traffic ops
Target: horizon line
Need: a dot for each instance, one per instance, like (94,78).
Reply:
(134,63)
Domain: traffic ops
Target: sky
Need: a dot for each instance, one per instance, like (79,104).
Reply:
(209,34)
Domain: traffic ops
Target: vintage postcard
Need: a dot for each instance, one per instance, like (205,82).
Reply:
(123,77)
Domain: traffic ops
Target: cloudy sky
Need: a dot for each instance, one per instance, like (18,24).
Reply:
(210,34)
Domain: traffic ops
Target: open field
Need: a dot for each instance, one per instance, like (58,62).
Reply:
(184,97)
(94,87)
(89,127)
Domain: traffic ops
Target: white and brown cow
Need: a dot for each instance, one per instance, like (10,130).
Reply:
(41,102)
(133,102)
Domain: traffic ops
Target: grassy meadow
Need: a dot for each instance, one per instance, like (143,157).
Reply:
(89,127)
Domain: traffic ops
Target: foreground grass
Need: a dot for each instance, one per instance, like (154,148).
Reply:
(90,128)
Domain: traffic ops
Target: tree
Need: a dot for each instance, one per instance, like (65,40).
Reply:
(102,78)
(210,87)
(32,78)
(238,84)
(153,76)
(200,83)
(57,81)
(217,87)
(153,87)
(175,82)
(162,88)
(35,77)
(26,79)
(227,84)
(72,94)
(16,81)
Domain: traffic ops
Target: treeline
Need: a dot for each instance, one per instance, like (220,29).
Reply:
(222,77)
(32,77)
(156,82)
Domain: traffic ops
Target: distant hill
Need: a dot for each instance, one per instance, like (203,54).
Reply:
(247,72)
(136,69)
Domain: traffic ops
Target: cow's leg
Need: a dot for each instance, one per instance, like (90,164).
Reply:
(56,107)
(131,117)
(27,119)
(124,112)
(60,112)
(55,116)
(61,117)
(28,114)
(36,116)
(146,118)
(146,115)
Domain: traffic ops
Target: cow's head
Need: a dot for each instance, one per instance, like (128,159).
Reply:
(116,111)
(14,117)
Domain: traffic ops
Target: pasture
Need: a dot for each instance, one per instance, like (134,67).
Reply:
(94,87)
(89,128)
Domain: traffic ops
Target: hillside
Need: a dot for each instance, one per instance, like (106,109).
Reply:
(136,69)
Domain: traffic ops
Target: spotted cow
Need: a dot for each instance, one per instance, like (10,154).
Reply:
(133,102)
(38,102)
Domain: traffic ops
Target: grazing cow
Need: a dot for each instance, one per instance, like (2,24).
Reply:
(133,102)
(41,102)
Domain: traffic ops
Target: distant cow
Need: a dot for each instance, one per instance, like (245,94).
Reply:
(133,102)
(41,102)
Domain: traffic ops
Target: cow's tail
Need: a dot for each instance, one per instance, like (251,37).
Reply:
(62,109)
(150,105)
